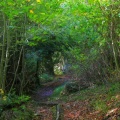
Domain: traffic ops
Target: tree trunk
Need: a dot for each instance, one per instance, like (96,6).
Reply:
(112,37)
(2,63)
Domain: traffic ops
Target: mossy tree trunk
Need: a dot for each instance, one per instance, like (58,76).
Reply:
(113,27)
(4,52)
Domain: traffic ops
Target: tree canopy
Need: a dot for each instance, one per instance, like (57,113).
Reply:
(60,47)
(85,31)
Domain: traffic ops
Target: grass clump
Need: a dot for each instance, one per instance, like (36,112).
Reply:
(100,105)
(99,92)
(57,91)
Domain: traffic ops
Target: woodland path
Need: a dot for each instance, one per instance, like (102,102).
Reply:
(69,110)
(46,91)
(42,95)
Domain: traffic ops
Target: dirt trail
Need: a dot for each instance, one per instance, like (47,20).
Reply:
(46,91)
(71,110)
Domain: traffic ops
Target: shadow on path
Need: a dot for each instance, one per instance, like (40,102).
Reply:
(46,91)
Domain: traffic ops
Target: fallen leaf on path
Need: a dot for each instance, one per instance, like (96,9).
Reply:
(111,112)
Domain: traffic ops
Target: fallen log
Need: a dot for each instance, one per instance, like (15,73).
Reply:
(50,104)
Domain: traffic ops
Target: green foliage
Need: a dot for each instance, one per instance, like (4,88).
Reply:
(44,78)
(57,91)
(57,71)
(19,113)
(31,59)
(18,110)
(22,113)
(13,100)
(114,88)
(53,109)
(84,32)
(94,94)
(100,105)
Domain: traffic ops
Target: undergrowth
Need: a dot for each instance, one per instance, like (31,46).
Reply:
(57,91)
(98,97)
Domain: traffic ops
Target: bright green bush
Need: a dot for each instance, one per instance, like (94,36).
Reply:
(58,91)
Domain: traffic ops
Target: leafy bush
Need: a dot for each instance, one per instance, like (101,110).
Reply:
(44,78)
(14,99)
(19,113)
(12,107)
(11,100)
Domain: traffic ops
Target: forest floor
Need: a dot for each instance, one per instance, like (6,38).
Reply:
(99,103)
(46,91)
